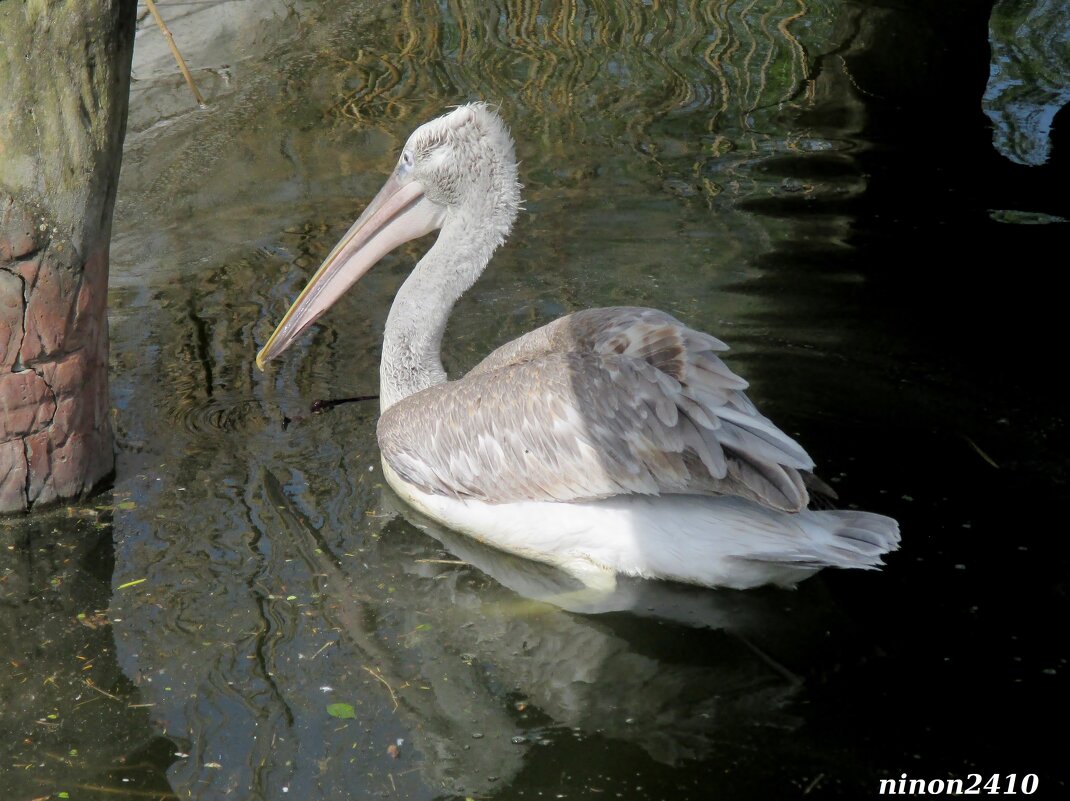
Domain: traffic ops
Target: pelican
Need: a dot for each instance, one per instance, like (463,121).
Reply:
(611,441)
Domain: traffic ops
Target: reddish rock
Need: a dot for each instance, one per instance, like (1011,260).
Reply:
(10,319)
(91,307)
(27,269)
(48,310)
(18,234)
(12,474)
(39,463)
(67,375)
(27,404)
(67,463)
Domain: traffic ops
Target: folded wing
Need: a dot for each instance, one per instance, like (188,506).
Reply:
(599,403)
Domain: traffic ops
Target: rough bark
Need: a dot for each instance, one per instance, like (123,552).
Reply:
(65,78)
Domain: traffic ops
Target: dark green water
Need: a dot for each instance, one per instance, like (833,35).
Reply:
(815,183)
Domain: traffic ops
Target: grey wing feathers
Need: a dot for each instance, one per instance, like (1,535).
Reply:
(602,402)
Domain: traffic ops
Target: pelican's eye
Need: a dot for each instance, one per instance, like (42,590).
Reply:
(406,161)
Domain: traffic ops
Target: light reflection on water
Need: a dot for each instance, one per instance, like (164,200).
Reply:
(701,158)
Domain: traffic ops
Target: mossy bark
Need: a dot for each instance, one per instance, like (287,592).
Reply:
(65,73)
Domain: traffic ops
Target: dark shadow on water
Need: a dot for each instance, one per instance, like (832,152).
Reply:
(72,722)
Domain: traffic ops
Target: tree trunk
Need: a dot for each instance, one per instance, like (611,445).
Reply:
(65,78)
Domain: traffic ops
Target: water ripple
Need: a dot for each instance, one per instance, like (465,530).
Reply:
(209,415)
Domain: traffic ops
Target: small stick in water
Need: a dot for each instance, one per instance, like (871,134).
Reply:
(174,51)
(326,405)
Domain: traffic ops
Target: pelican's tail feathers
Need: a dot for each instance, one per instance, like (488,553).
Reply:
(837,538)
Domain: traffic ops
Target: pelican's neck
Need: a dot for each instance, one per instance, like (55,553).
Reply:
(412,342)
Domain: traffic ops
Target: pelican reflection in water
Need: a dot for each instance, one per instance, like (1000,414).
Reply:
(611,441)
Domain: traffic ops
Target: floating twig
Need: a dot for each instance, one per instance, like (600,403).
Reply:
(980,452)
(174,51)
(124,792)
(386,684)
(320,406)
(92,686)
(813,784)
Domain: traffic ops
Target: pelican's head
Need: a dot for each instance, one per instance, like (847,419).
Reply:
(456,169)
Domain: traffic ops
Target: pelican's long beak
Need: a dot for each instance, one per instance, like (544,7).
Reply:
(398,214)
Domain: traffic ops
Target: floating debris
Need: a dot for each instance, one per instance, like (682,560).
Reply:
(1014,217)
(343,711)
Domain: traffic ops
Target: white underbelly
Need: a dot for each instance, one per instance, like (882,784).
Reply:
(701,540)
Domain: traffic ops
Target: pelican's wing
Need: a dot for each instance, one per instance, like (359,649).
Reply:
(600,403)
